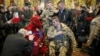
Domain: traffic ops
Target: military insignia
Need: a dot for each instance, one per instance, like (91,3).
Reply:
(93,24)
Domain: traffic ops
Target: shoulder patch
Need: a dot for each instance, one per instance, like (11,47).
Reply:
(93,23)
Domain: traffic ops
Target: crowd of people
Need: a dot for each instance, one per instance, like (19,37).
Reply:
(49,31)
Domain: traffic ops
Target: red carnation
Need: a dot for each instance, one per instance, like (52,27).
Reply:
(88,18)
(15,20)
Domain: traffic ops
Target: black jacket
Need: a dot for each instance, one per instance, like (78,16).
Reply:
(15,45)
(65,16)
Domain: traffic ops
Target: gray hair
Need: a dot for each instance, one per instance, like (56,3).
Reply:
(23,31)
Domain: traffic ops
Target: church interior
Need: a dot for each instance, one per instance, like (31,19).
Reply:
(90,5)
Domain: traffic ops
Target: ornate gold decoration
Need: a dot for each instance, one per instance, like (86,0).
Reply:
(7,2)
(20,3)
(34,2)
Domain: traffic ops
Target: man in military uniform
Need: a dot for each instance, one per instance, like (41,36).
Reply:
(45,16)
(93,41)
(94,37)
(61,38)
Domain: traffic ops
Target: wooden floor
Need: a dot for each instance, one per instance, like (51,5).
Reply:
(80,53)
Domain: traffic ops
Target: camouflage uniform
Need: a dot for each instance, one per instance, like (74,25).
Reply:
(93,41)
(46,18)
(61,45)
(94,29)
